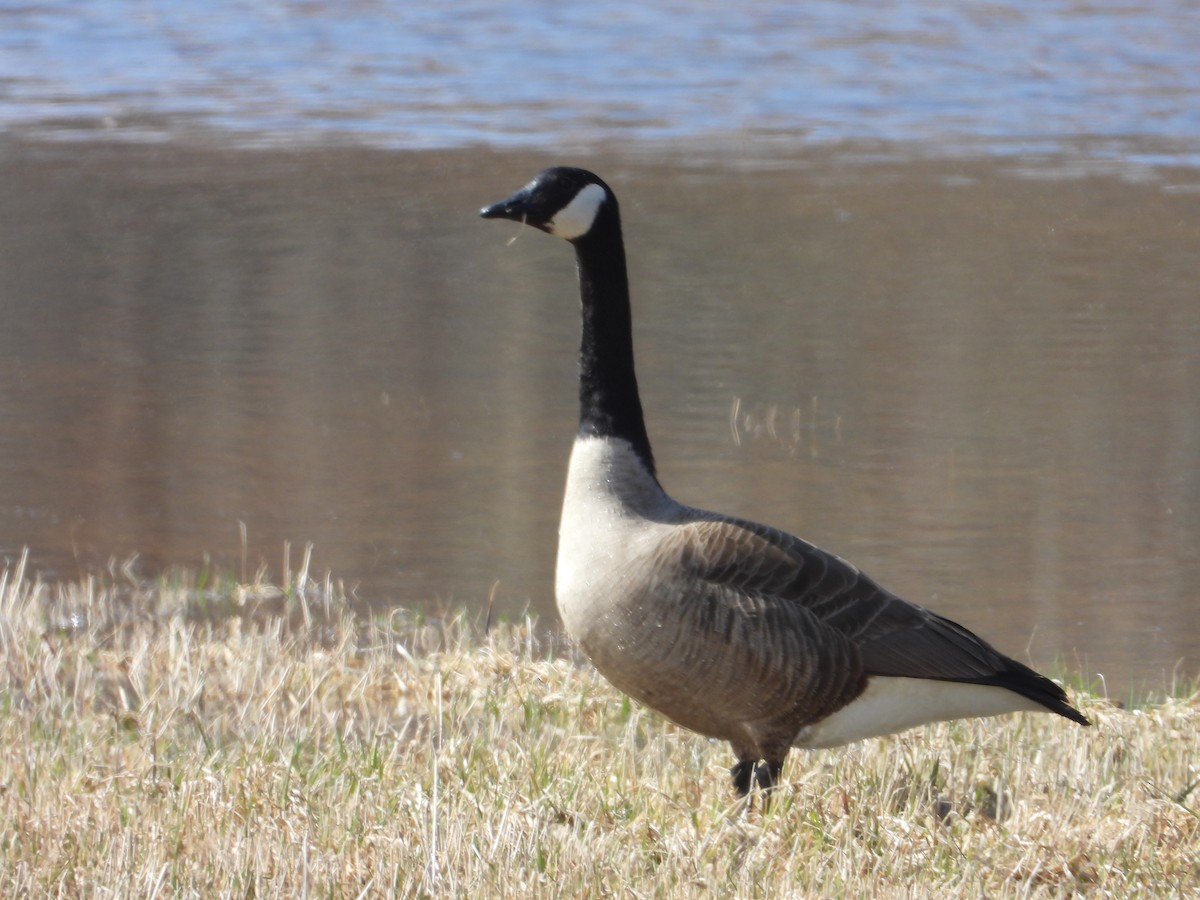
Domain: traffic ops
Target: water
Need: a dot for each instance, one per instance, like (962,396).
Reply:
(996,76)
(918,296)
(981,388)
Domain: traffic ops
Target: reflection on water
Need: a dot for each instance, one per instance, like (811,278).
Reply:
(981,388)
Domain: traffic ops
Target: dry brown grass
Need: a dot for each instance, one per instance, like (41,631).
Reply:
(178,739)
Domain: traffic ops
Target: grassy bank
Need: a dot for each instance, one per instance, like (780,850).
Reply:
(186,738)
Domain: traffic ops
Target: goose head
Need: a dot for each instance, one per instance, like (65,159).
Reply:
(561,201)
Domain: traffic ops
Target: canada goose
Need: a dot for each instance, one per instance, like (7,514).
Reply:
(733,629)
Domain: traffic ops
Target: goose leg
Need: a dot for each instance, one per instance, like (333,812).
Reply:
(763,774)
(766,774)
(743,775)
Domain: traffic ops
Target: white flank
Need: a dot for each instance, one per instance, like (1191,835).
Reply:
(575,219)
(889,705)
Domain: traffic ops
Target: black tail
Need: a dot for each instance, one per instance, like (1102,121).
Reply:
(1021,679)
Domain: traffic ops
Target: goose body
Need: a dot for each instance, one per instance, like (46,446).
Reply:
(730,628)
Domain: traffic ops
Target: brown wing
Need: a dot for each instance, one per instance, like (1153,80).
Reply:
(762,660)
(823,604)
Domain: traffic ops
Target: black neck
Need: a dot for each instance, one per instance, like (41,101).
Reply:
(609,405)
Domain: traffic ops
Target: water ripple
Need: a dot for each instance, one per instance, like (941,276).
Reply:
(531,73)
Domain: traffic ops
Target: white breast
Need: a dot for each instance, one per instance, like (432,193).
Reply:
(614,515)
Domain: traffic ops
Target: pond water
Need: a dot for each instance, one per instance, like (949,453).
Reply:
(1002,76)
(979,386)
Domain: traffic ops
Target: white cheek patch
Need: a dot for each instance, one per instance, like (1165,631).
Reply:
(575,219)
